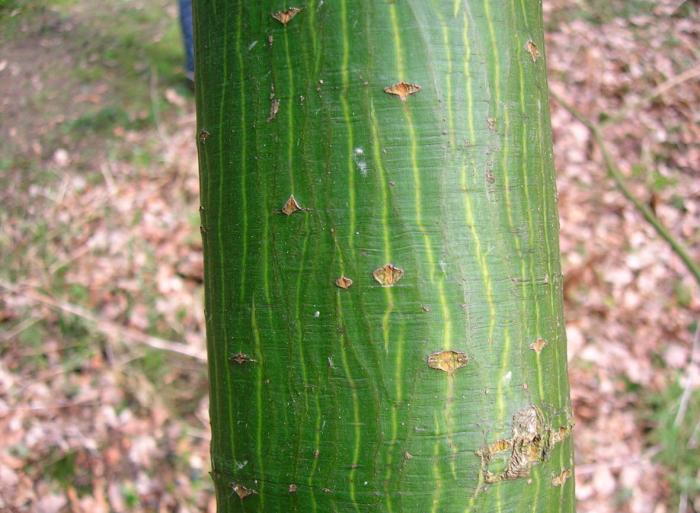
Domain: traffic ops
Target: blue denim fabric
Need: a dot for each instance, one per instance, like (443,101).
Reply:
(186,25)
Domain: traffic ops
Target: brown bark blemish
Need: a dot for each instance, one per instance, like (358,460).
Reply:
(538,345)
(402,89)
(448,361)
(560,479)
(343,282)
(530,444)
(532,49)
(240,358)
(387,275)
(291,206)
(285,17)
(274,108)
(491,122)
(561,434)
(242,491)
(203,135)
(292,488)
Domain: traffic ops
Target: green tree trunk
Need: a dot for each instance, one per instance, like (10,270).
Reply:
(383,287)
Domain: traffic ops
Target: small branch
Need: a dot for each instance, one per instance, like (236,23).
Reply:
(109,328)
(619,179)
(58,406)
(683,503)
(672,82)
(688,388)
(694,437)
(21,326)
(155,104)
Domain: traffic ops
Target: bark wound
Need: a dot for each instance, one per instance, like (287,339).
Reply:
(560,434)
(448,361)
(387,275)
(402,89)
(285,17)
(532,50)
(343,282)
(242,491)
(274,108)
(561,478)
(291,206)
(240,358)
(530,444)
(538,345)
(292,488)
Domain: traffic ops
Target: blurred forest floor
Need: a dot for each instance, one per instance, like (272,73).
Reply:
(100,249)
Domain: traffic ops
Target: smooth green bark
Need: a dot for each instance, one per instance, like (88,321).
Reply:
(328,399)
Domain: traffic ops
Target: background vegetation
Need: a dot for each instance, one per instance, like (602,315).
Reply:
(103,402)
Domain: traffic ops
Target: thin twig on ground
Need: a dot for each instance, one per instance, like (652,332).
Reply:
(92,401)
(109,328)
(19,328)
(674,81)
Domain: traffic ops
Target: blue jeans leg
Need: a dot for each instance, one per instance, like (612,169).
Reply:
(186,25)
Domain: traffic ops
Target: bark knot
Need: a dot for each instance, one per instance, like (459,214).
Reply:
(240,358)
(343,282)
(532,49)
(285,17)
(242,491)
(291,206)
(402,89)
(388,275)
(538,345)
(560,479)
(448,361)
